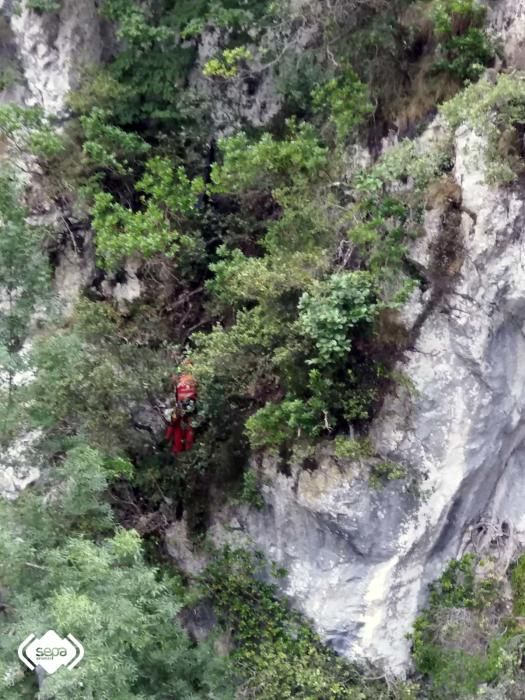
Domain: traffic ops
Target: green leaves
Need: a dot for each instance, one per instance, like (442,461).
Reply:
(227,64)
(65,566)
(168,198)
(465,639)
(110,147)
(268,163)
(44,5)
(454,17)
(329,314)
(29,130)
(281,423)
(493,111)
(88,380)
(465,48)
(345,101)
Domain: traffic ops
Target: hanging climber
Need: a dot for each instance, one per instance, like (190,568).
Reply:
(180,430)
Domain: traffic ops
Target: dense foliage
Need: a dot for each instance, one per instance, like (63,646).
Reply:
(67,566)
(466,639)
(279,653)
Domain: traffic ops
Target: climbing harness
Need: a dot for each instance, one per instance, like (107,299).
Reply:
(180,432)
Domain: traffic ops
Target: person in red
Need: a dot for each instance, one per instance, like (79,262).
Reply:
(180,430)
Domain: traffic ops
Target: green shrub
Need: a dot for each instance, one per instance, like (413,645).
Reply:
(465,48)
(271,281)
(344,100)
(281,423)
(389,208)
(228,361)
(168,197)
(466,57)
(352,448)
(277,650)
(518,587)
(152,64)
(251,491)
(454,17)
(44,5)
(493,111)
(268,163)
(461,640)
(226,66)
(333,311)
(30,131)
(109,147)
(383,472)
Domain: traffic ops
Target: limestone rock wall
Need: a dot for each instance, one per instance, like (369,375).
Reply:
(54,48)
(359,559)
(507,21)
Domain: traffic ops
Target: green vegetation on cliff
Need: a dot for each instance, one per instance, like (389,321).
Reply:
(273,254)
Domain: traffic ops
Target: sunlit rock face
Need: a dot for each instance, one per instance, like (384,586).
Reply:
(506,19)
(53,48)
(359,558)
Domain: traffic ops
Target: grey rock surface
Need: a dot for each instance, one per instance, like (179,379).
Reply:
(506,19)
(19,465)
(358,559)
(54,48)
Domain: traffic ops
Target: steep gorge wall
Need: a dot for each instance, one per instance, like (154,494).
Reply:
(507,21)
(359,558)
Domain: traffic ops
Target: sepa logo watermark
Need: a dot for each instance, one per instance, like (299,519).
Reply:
(51,652)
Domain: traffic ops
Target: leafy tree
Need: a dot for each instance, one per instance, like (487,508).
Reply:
(88,380)
(169,199)
(268,163)
(331,312)
(465,48)
(345,102)
(109,147)
(278,424)
(152,63)
(101,590)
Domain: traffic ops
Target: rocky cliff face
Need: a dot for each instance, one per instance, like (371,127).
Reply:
(359,558)
(506,19)
(52,49)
